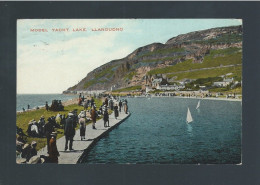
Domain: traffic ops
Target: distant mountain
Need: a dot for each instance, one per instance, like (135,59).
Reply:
(181,57)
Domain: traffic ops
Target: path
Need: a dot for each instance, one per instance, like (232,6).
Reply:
(71,157)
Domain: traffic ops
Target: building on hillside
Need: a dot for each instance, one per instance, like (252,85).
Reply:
(147,88)
(230,80)
(220,84)
(224,83)
(156,82)
(113,87)
(186,81)
(203,88)
(170,87)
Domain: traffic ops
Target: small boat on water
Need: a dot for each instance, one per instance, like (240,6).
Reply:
(198,105)
(189,117)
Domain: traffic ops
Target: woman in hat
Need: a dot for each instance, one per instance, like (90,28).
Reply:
(82,123)
(106,118)
(93,117)
(48,129)
(53,151)
(126,108)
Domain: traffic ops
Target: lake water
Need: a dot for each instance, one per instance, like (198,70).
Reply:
(34,100)
(157,132)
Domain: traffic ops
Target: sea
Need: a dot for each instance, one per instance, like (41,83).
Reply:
(34,100)
(157,133)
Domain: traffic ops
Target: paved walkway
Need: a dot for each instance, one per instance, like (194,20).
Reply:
(72,157)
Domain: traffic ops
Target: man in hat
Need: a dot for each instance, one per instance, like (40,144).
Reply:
(41,124)
(120,105)
(69,131)
(53,153)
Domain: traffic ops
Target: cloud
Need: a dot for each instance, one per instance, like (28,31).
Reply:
(54,67)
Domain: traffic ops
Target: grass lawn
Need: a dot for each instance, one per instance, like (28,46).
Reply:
(22,120)
(237,71)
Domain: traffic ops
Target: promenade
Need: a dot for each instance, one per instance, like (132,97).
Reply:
(72,157)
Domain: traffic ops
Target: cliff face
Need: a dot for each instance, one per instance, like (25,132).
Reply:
(135,69)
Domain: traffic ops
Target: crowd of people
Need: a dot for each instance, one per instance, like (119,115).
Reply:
(28,153)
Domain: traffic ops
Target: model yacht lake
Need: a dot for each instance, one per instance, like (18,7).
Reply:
(157,133)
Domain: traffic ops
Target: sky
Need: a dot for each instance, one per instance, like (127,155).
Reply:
(51,62)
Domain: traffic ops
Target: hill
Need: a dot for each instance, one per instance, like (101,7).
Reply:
(200,54)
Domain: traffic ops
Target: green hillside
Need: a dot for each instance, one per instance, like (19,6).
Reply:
(236,70)
(216,58)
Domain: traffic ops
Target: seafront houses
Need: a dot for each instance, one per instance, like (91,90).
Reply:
(170,87)
(224,83)
(185,81)
(230,80)
(91,92)
(220,84)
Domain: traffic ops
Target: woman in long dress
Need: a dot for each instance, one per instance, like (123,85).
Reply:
(93,117)
(126,108)
(53,152)
(82,122)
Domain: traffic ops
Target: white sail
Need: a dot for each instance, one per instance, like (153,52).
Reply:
(198,105)
(189,118)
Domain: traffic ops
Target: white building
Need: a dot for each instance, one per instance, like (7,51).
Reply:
(147,89)
(156,82)
(221,84)
(225,82)
(113,87)
(230,80)
(170,87)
